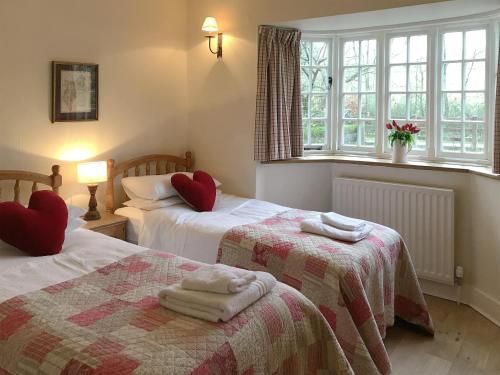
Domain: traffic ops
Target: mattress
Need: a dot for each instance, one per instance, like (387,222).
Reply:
(83,252)
(182,231)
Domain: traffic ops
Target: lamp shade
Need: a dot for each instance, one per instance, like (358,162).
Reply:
(92,173)
(210,25)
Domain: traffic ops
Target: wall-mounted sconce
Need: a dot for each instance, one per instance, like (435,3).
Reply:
(210,26)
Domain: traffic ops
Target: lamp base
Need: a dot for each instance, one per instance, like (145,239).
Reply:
(92,213)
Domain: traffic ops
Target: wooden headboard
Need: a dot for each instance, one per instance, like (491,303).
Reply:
(143,165)
(54,180)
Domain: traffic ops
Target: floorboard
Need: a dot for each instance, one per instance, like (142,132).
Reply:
(465,343)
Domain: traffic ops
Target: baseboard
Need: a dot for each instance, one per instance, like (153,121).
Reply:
(440,290)
(483,303)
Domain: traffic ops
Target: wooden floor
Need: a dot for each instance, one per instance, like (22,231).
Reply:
(465,343)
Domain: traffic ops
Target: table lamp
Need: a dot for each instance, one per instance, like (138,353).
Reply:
(91,174)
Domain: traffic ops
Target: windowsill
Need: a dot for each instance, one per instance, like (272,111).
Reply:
(412,164)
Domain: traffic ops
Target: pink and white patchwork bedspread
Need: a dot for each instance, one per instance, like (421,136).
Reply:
(110,322)
(358,287)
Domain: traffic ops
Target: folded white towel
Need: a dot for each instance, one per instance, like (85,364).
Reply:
(218,278)
(322,229)
(343,222)
(215,307)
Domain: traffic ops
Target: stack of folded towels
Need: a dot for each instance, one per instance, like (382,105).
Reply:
(338,227)
(216,292)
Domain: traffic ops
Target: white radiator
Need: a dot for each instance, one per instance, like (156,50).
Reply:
(422,215)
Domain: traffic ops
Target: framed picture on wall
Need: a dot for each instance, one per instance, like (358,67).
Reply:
(75,91)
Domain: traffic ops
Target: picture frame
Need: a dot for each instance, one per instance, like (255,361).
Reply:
(75,91)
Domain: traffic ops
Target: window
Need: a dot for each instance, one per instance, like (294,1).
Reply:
(358,99)
(463,92)
(437,77)
(315,87)
(407,83)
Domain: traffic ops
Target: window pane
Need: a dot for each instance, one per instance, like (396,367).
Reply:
(398,78)
(452,77)
(452,107)
(368,106)
(305,106)
(318,132)
(398,106)
(351,80)
(305,131)
(398,50)
(474,75)
(451,138)
(305,84)
(368,52)
(418,48)
(417,80)
(368,79)
(351,53)
(420,138)
(417,106)
(452,46)
(367,130)
(475,44)
(320,53)
(318,106)
(350,129)
(350,106)
(474,107)
(474,138)
(305,53)
(319,80)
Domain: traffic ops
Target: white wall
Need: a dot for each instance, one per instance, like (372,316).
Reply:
(140,47)
(222,92)
(477,214)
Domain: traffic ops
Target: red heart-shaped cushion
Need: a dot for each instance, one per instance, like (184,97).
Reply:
(37,230)
(200,192)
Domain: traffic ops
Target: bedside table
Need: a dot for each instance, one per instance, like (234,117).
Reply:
(110,225)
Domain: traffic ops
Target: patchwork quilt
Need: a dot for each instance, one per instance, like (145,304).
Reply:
(358,287)
(110,322)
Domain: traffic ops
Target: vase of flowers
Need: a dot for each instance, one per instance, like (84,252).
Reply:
(402,139)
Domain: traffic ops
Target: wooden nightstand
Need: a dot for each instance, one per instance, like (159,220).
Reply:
(110,225)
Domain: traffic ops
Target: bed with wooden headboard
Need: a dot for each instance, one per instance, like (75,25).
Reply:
(155,164)
(41,292)
(54,180)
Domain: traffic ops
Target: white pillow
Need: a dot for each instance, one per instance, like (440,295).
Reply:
(74,218)
(149,187)
(75,212)
(150,205)
(74,223)
(153,187)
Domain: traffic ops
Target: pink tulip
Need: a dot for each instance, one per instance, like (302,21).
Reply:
(388,126)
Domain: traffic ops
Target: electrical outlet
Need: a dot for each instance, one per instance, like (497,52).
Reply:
(459,272)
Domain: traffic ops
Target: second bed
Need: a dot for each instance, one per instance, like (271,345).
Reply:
(360,288)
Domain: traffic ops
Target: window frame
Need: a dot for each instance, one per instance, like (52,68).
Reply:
(485,157)
(351,149)
(434,32)
(387,93)
(328,129)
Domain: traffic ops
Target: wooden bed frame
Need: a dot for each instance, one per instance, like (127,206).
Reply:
(143,165)
(54,180)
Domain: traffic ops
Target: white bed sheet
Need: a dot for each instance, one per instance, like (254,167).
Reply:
(182,231)
(83,252)
(135,222)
